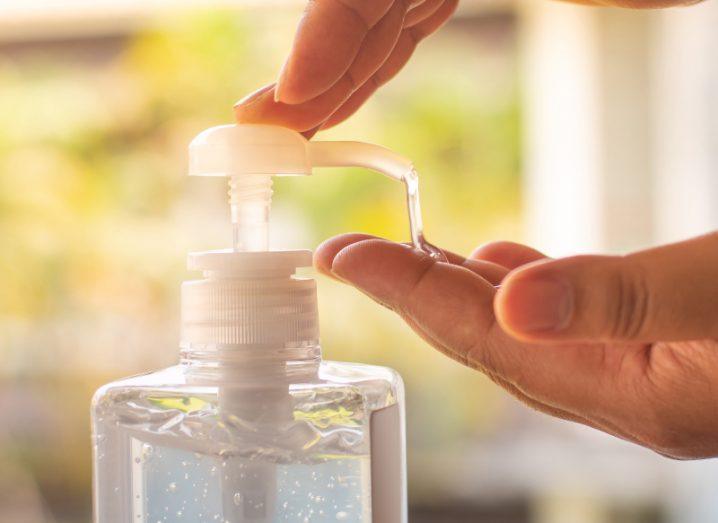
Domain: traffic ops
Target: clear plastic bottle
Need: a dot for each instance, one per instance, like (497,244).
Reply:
(252,425)
(177,446)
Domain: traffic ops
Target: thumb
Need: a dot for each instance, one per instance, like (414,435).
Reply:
(668,293)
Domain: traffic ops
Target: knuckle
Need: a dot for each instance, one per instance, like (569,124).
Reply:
(628,304)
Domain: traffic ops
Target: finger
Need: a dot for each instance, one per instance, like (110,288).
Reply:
(327,251)
(377,46)
(263,109)
(312,113)
(451,303)
(669,293)
(327,42)
(491,272)
(404,48)
(508,254)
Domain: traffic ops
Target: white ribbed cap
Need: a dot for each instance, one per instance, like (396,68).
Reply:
(249,298)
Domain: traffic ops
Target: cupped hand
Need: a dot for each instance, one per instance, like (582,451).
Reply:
(625,344)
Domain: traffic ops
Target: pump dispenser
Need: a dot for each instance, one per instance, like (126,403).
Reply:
(253,426)
(251,154)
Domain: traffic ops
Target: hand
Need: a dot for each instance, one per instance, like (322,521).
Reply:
(344,50)
(626,345)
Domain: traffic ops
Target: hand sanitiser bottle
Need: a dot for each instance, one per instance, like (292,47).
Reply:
(252,425)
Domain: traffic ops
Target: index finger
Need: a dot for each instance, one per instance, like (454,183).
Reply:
(452,304)
(328,250)
(328,39)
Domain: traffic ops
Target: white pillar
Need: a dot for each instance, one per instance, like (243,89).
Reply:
(686,122)
(626,95)
(561,127)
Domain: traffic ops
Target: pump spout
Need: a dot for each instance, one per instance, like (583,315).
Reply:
(250,194)
(246,150)
(359,154)
(250,155)
(386,162)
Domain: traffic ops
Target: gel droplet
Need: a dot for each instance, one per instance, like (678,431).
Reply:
(416,222)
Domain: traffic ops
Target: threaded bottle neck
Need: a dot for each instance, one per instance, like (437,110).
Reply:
(250,315)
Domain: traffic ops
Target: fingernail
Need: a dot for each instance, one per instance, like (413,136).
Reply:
(253,96)
(538,305)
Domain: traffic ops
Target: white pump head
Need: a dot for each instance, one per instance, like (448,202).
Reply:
(249,155)
(232,150)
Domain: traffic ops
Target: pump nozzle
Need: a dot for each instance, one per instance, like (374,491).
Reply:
(231,150)
(249,155)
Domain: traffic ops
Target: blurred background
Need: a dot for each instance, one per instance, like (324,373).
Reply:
(570,128)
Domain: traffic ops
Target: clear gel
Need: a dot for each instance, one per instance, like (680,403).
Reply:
(416,223)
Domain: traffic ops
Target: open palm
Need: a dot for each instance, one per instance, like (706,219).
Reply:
(660,394)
